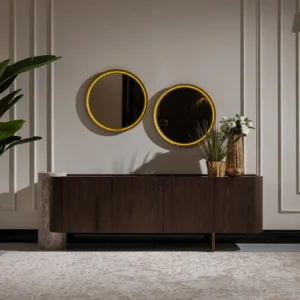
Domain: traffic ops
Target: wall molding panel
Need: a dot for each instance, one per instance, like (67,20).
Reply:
(297,106)
(242,109)
(50,87)
(33,108)
(258,89)
(12,113)
(283,207)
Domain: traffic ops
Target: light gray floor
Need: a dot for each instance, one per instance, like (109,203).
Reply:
(6,247)
(269,247)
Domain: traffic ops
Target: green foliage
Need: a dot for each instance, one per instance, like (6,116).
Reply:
(215,146)
(8,73)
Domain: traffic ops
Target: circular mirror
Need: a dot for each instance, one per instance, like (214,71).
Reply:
(116,100)
(180,110)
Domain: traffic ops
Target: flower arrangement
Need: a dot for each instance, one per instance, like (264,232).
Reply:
(237,125)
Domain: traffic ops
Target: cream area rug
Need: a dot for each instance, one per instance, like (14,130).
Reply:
(149,275)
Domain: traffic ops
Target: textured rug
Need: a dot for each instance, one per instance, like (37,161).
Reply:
(149,275)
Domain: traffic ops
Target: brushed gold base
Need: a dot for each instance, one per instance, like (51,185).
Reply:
(234,173)
(216,168)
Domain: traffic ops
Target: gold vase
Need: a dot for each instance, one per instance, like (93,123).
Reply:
(216,168)
(235,157)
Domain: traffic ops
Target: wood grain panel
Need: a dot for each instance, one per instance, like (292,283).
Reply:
(138,204)
(238,205)
(87,205)
(188,204)
(55,204)
(105,202)
(171,204)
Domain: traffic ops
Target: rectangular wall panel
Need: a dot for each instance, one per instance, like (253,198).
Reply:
(7,48)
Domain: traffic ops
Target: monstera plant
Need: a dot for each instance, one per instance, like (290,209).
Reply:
(8,73)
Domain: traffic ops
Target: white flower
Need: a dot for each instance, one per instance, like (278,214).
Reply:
(224,119)
(245,129)
(242,119)
(231,124)
(250,124)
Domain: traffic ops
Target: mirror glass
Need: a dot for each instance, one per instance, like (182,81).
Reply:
(180,110)
(116,100)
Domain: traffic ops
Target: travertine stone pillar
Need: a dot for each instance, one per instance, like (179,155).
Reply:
(47,240)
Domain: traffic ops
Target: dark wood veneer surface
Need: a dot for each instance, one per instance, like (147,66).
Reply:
(56,215)
(86,205)
(155,204)
(138,205)
(188,204)
(238,205)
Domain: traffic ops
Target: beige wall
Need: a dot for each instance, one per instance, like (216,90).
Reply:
(243,53)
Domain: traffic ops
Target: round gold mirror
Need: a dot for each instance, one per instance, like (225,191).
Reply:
(116,100)
(179,110)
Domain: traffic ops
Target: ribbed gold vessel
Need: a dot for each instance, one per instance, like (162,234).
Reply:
(216,168)
(235,157)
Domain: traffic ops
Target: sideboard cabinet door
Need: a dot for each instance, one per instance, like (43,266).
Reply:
(188,204)
(86,204)
(138,204)
(238,204)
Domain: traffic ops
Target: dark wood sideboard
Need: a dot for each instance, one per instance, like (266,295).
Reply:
(156,204)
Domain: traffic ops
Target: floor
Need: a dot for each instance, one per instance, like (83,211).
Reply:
(254,273)
(6,247)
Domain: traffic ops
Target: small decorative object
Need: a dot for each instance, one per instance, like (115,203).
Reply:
(216,168)
(214,148)
(236,128)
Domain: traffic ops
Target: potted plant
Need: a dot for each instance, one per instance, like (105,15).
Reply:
(236,129)
(214,149)
(8,73)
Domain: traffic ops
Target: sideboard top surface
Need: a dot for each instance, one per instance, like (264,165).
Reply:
(158,175)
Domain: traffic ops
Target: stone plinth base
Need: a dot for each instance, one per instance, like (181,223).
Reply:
(47,240)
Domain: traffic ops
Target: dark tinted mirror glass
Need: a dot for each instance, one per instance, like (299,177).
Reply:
(181,111)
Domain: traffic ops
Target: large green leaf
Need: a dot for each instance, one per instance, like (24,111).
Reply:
(9,140)
(6,84)
(11,103)
(24,141)
(27,64)
(8,129)
(10,96)
(3,66)
(4,103)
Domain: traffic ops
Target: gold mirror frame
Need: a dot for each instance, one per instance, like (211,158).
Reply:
(173,88)
(87,100)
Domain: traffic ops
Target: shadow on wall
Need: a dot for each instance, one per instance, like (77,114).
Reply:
(172,162)
(296,24)
(149,127)
(178,160)
(82,112)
